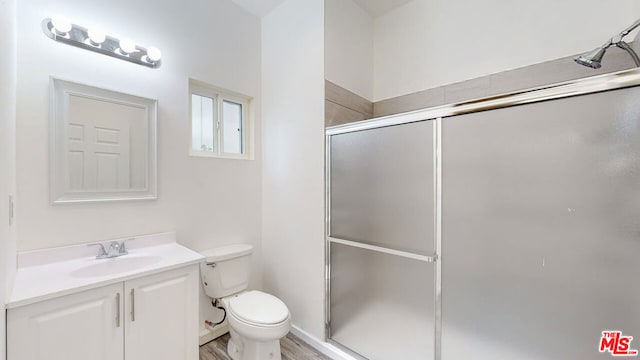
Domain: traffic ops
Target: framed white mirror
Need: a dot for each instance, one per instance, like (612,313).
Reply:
(102,145)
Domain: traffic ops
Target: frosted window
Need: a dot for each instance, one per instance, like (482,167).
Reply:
(232,115)
(203,123)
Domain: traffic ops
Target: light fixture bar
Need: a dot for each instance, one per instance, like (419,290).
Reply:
(71,34)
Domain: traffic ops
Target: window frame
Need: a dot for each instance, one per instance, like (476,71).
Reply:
(221,95)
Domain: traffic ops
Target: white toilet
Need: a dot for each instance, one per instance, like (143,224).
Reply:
(257,320)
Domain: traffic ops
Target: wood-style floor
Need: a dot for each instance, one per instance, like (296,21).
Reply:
(291,347)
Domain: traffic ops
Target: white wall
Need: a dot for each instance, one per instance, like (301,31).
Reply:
(7,155)
(293,170)
(209,202)
(349,47)
(429,43)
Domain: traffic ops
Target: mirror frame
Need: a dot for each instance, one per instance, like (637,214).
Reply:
(60,90)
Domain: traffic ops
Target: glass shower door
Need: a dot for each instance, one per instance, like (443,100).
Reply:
(540,221)
(382,241)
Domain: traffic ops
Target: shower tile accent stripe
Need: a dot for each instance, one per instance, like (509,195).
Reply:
(343,106)
(549,72)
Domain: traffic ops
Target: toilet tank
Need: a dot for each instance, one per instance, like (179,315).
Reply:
(226,270)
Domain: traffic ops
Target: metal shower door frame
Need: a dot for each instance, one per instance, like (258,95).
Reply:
(585,86)
(434,258)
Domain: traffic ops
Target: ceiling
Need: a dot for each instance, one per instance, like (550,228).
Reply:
(375,8)
(259,7)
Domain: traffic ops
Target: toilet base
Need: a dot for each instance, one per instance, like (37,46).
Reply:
(243,349)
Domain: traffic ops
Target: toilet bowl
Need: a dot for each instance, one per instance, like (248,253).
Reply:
(257,320)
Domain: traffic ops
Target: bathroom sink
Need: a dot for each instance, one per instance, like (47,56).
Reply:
(116,265)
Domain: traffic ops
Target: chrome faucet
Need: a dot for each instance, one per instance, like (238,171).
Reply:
(115,249)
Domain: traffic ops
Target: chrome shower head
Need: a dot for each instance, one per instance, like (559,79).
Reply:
(592,59)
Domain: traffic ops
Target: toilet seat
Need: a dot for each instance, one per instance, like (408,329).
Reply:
(258,308)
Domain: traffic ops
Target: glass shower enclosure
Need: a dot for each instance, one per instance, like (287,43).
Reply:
(505,228)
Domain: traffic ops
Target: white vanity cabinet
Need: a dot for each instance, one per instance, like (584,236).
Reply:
(153,317)
(162,316)
(78,326)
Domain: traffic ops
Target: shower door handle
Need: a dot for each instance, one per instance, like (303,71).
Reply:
(425,258)
(431,258)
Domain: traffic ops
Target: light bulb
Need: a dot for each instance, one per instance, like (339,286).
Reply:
(96,36)
(153,54)
(61,25)
(127,46)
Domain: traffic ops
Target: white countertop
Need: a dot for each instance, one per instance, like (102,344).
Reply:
(46,274)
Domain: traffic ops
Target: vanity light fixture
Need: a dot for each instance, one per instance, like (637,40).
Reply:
(153,54)
(127,47)
(61,25)
(96,36)
(62,30)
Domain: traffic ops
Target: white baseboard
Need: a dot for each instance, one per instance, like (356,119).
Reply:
(323,347)
(207,334)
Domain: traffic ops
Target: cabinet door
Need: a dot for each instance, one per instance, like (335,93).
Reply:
(162,316)
(82,326)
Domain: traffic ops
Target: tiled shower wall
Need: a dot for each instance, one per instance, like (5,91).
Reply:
(343,106)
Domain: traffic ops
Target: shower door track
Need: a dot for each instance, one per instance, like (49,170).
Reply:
(590,85)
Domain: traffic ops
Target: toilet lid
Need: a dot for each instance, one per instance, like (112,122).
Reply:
(258,308)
